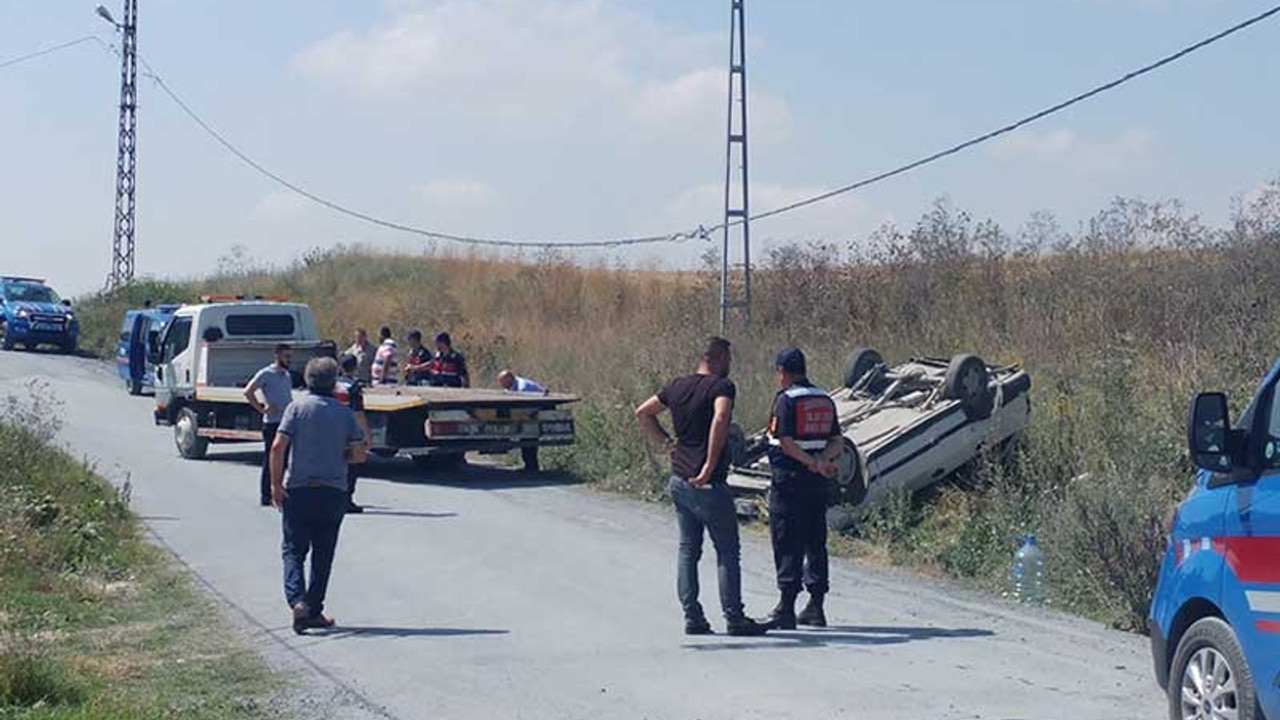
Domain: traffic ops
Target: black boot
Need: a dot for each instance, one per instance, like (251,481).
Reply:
(697,626)
(783,616)
(813,614)
(746,627)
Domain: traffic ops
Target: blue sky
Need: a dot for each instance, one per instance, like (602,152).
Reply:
(586,118)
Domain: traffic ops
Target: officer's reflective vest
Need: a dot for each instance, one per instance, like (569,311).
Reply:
(815,415)
(342,390)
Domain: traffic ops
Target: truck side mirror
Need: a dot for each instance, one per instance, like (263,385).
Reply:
(1209,433)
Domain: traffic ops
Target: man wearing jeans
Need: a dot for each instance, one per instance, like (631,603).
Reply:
(320,436)
(276,383)
(701,408)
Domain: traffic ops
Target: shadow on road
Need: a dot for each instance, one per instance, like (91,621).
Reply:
(844,635)
(359,631)
(370,510)
(402,471)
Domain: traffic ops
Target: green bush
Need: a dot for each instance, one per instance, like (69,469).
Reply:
(29,679)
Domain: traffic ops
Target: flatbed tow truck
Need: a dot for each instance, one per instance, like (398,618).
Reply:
(209,352)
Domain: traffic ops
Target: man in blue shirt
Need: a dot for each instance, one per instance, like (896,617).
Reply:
(514,383)
(275,381)
(320,436)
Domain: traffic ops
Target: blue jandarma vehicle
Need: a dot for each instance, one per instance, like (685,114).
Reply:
(1215,616)
(139,338)
(32,314)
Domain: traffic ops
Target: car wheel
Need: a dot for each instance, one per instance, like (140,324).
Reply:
(68,348)
(5,340)
(1210,679)
(185,435)
(968,381)
(861,362)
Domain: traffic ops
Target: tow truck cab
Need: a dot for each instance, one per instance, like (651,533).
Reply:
(1215,614)
(32,314)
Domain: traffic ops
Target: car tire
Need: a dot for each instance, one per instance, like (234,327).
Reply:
(1209,643)
(190,445)
(68,348)
(849,487)
(969,381)
(5,341)
(860,362)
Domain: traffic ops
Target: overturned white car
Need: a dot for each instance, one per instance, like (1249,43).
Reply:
(906,426)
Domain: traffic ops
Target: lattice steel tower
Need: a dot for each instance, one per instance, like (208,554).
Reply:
(122,245)
(737,208)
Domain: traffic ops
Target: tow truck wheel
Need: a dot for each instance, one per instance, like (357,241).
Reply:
(1210,679)
(861,362)
(190,445)
(969,382)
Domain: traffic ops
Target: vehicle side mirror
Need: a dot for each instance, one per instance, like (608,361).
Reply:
(1209,433)
(66,302)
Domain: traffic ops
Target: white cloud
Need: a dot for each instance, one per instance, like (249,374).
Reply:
(280,206)
(1065,149)
(539,66)
(457,192)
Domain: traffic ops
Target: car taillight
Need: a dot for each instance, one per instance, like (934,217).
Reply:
(436,428)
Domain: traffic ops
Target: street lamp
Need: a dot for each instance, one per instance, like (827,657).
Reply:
(105,14)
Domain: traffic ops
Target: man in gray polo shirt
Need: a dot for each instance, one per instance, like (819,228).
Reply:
(320,436)
(276,383)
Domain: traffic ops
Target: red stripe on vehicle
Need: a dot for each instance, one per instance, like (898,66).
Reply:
(1254,559)
(1267,625)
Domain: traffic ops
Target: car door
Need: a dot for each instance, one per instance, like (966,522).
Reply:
(174,349)
(1252,548)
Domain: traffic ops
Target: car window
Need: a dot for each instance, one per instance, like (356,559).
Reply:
(1271,446)
(177,338)
(276,325)
(30,292)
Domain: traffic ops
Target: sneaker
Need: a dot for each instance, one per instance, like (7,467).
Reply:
(813,615)
(783,617)
(698,626)
(354,509)
(746,627)
(318,622)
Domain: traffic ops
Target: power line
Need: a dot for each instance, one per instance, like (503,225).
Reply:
(1168,59)
(50,50)
(702,232)
(392,225)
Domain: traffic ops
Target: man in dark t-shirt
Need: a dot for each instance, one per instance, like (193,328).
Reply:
(701,407)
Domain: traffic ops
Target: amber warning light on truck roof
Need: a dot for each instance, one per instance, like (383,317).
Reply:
(227,298)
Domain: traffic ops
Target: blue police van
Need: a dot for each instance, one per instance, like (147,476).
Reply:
(32,314)
(1215,616)
(140,332)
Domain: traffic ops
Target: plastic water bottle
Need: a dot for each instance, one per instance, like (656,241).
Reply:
(1028,571)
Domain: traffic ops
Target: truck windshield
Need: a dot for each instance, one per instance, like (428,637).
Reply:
(30,292)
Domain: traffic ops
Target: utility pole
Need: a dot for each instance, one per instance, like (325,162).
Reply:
(122,245)
(737,208)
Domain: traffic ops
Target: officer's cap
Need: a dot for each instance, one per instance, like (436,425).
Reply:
(792,361)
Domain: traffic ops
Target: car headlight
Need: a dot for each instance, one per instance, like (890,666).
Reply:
(22,312)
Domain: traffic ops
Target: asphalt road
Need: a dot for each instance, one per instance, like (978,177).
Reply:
(486,595)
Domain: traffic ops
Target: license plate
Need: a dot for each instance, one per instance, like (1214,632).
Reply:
(499,429)
(46,327)
(557,428)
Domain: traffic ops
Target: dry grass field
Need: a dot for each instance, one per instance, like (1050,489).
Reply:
(1119,321)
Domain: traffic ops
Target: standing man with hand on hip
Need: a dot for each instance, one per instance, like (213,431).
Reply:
(804,439)
(276,383)
(701,408)
(320,436)
(364,353)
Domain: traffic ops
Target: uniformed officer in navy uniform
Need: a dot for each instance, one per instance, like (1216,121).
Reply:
(804,440)
(350,390)
(448,368)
